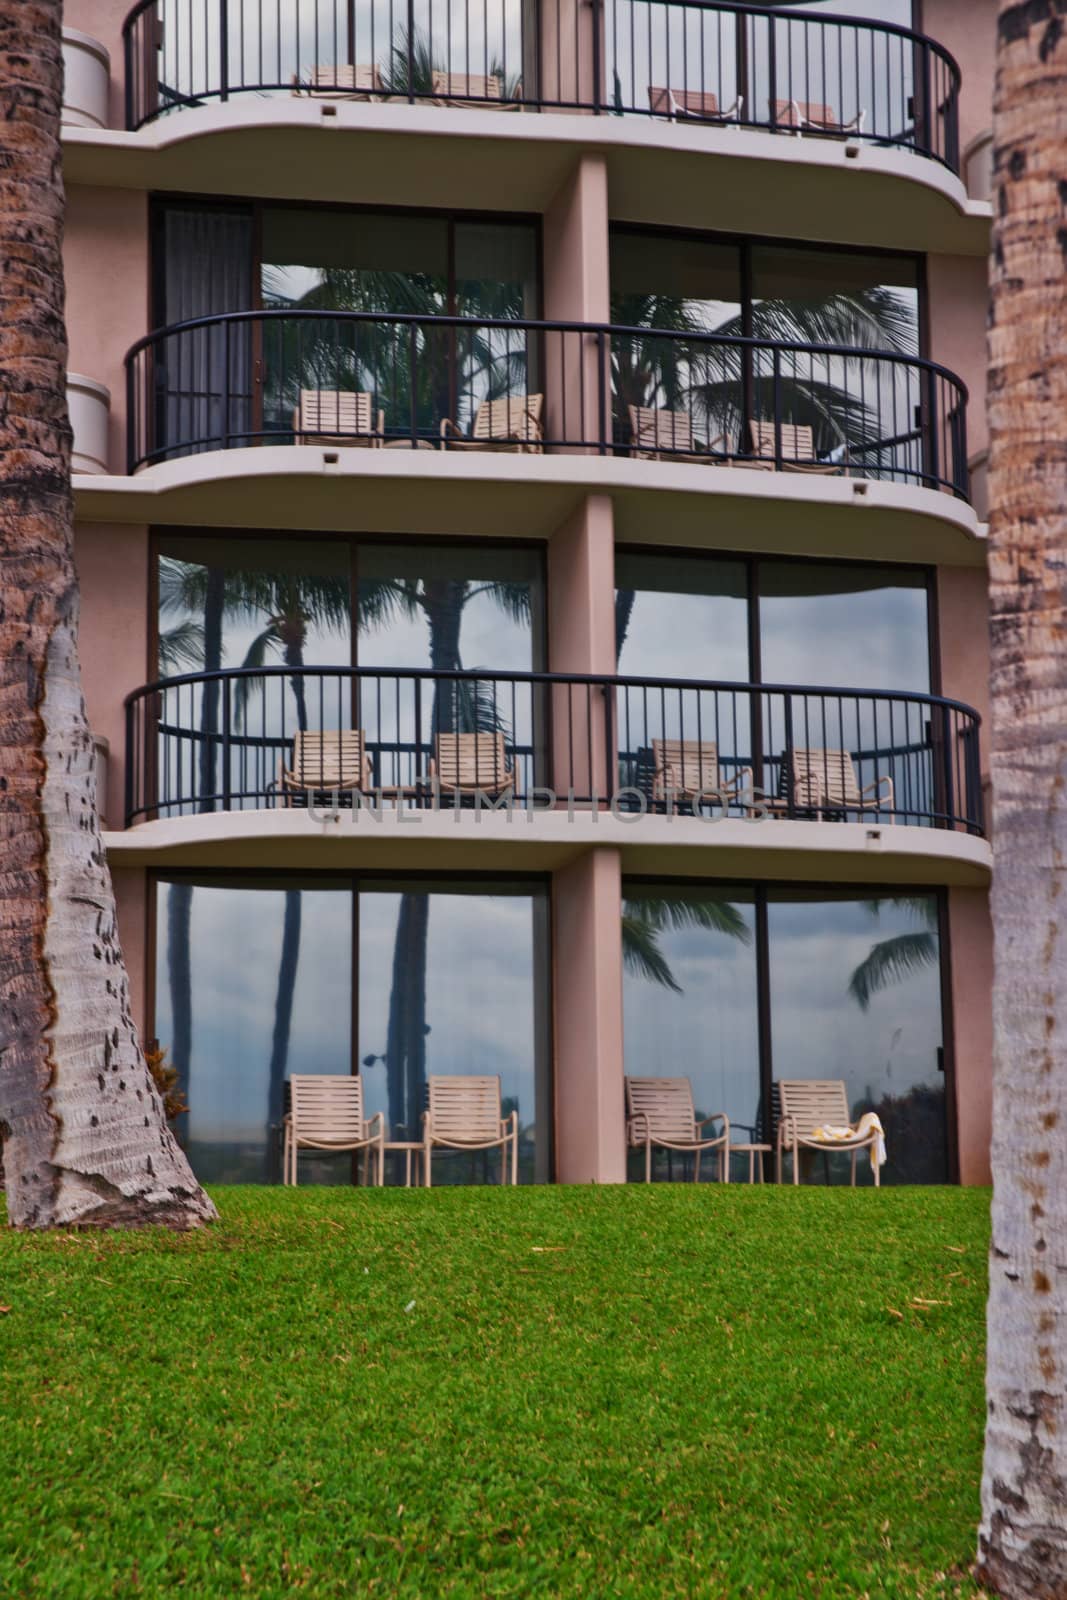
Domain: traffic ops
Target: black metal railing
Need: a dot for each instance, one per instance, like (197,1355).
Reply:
(690,61)
(455,383)
(343,737)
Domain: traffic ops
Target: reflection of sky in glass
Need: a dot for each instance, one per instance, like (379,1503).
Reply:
(819,1030)
(707,1032)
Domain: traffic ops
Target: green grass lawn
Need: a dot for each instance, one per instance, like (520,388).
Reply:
(576,1392)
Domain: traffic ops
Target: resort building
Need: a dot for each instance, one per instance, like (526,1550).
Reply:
(529,487)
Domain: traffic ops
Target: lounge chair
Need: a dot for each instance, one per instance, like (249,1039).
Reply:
(692,105)
(806,116)
(338,416)
(805,1104)
(467,762)
(326,1113)
(686,769)
(796,443)
(344,81)
(825,780)
(464,1114)
(658,435)
(659,1112)
(513,423)
(333,761)
(473,88)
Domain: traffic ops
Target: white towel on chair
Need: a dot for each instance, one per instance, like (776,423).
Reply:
(869,1123)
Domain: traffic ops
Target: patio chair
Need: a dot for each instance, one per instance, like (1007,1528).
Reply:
(472,88)
(658,435)
(343,81)
(692,105)
(689,768)
(334,760)
(464,1114)
(326,1113)
(338,416)
(466,762)
(659,1112)
(797,442)
(513,423)
(806,116)
(805,1104)
(825,780)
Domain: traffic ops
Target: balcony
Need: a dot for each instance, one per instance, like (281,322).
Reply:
(343,738)
(695,63)
(525,388)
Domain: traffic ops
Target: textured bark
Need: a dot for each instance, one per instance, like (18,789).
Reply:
(1023,1536)
(84,1136)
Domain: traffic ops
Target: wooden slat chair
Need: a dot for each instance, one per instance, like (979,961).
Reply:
(692,105)
(660,435)
(513,423)
(333,760)
(805,1104)
(466,762)
(660,1113)
(807,116)
(798,449)
(687,768)
(472,88)
(326,1113)
(464,1114)
(338,416)
(825,780)
(343,81)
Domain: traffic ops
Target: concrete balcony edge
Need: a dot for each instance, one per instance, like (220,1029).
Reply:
(528,496)
(659,172)
(494,841)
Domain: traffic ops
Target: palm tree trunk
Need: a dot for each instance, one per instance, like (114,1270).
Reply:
(85,1139)
(1022,1547)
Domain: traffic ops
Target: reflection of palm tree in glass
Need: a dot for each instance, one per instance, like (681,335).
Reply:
(894,959)
(458,709)
(722,384)
(291,604)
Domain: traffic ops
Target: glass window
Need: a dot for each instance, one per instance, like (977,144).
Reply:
(855,990)
(861,627)
(690,1003)
(681,617)
(324,259)
(254,982)
(248,974)
(453,979)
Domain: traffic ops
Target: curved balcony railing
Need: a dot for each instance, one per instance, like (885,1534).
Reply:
(453,383)
(259,738)
(691,61)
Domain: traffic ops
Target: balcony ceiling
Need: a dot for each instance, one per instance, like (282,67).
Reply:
(728,178)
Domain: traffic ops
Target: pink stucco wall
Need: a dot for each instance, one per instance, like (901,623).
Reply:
(587,981)
(112,562)
(102,20)
(963,624)
(957,291)
(967,29)
(971,942)
(105,255)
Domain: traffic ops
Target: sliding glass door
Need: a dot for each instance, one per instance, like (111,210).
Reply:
(261,977)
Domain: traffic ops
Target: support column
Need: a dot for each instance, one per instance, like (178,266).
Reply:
(587,962)
(577,288)
(581,638)
(112,563)
(971,954)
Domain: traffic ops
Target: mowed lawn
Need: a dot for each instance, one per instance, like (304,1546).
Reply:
(576,1392)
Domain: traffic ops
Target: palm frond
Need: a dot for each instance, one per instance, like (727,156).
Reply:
(642,955)
(891,961)
(181,648)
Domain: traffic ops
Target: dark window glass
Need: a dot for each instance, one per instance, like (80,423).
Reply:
(844,626)
(254,980)
(856,994)
(690,1005)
